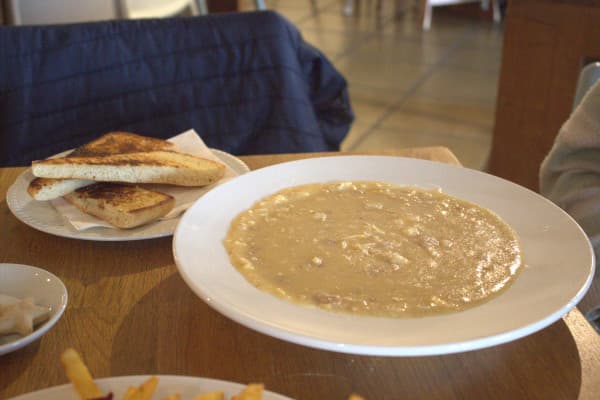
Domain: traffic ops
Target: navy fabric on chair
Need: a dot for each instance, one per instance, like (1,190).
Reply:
(246,82)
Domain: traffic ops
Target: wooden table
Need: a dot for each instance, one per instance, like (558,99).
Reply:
(130,313)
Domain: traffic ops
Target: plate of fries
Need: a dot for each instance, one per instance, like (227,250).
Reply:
(144,387)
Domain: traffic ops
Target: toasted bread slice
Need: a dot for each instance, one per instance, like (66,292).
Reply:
(120,143)
(123,206)
(48,189)
(165,167)
(111,143)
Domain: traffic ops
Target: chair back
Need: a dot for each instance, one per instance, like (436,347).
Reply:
(246,82)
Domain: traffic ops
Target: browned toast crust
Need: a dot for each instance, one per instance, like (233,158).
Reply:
(119,195)
(151,158)
(39,184)
(120,143)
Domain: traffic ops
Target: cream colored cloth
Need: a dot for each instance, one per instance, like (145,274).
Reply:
(186,142)
(570,173)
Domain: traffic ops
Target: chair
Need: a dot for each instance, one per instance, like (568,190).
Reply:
(132,9)
(246,82)
(40,12)
(204,9)
(426,9)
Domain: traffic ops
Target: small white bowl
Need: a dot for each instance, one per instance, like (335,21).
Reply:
(22,281)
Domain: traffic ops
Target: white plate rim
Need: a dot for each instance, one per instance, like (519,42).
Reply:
(274,329)
(45,327)
(121,383)
(17,193)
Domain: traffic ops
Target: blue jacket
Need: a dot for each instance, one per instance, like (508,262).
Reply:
(246,82)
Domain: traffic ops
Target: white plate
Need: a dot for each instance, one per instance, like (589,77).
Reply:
(187,386)
(41,215)
(559,258)
(21,281)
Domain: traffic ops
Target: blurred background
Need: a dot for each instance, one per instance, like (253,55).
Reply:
(419,74)
(410,86)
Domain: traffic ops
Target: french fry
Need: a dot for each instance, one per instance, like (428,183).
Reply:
(210,396)
(251,392)
(145,390)
(131,391)
(86,388)
(79,375)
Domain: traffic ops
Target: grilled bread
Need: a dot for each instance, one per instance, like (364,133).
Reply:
(123,206)
(120,143)
(111,143)
(48,189)
(165,167)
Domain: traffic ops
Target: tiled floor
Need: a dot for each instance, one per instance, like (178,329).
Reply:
(409,87)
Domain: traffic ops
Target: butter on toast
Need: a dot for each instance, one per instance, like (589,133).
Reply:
(124,206)
(110,143)
(164,167)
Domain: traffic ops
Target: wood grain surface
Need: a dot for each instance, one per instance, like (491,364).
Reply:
(131,313)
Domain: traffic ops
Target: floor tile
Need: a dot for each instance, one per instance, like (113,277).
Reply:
(357,131)
(409,87)
(386,50)
(370,106)
(445,29)
(476,58)
(477,114)
(369,73)
(461,85)
(411,120)
(338,22)
(370,8)
(294,10)
(333,44)
(296,16)
(486,35)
